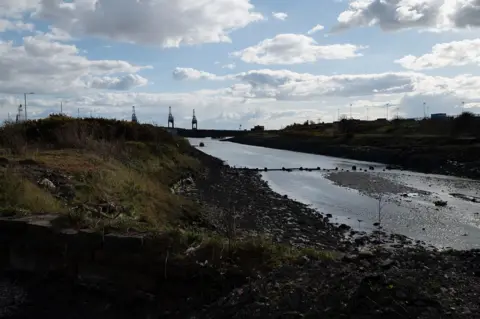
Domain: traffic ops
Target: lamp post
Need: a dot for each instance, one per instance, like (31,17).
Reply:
(25,97)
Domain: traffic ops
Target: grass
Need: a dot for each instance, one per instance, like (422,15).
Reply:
(248,253)
(18,195)
(107,162)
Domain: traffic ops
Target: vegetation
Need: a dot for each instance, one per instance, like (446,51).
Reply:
(117,176)
(466,124)
(100,170)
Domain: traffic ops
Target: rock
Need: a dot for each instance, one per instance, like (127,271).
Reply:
(440,203)
(365,254)
(350,257)
(344,227)
(47,184)
(202,144)
(329,215)
(371,168)
(387,263)
(354,168)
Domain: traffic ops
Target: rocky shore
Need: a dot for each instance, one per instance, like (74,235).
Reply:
(258,210)
(375,275)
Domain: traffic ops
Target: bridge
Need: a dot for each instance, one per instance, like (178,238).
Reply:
(209,133)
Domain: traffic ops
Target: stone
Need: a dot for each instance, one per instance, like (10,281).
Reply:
(365,254)
(440,203)
(387,263)
(47,184)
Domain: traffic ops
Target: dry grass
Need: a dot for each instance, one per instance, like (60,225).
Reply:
(112,162)
(20,196)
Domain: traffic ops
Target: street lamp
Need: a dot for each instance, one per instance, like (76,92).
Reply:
(25,96)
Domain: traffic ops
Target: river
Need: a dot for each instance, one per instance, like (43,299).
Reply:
(457,225)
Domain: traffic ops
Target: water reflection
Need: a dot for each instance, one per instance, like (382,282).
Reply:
(415,216)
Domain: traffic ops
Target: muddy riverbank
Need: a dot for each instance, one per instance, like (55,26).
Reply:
(258,210)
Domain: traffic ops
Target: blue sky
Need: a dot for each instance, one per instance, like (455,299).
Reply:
(236,62)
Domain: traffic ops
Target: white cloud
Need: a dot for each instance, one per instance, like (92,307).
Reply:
(193,74)
(230,66)
(15,25)
(455,53)
(280,15)
(124,83)
(399,14)
(370,89)
(315,29)
(15,8)
(157,22)
(45,66)
(295,49)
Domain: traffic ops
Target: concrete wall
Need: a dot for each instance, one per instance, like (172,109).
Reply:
(129,262)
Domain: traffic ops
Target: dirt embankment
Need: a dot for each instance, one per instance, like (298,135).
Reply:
(429,155)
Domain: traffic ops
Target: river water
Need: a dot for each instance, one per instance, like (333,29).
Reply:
(416,216)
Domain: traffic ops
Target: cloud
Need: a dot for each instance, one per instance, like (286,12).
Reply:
(15,25)
(391,15)
(123,83)
(374,90)
(15,8)
(315,29)
(280,15)
(46,66)
(457,53)
(230,66)
(164,23)
(295,49)
(193,74)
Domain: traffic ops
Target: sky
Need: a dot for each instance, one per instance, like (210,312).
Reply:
(240,62)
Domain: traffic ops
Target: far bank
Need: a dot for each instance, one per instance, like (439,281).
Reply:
(426,154)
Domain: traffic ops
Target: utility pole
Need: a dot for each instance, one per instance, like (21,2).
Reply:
(338,114)
(387,105)
(424,110)
(351,111)
(78,112)
(25,97)
(367,113)
(61,107)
